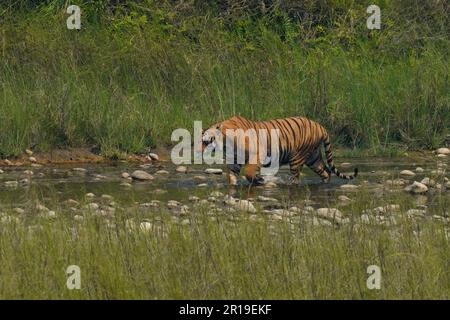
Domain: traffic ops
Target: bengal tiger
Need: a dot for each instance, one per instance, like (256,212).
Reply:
(299,143)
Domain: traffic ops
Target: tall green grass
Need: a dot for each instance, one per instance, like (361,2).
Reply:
(126,84)
(221,258)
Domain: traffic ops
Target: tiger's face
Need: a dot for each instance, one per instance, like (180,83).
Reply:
(211,137)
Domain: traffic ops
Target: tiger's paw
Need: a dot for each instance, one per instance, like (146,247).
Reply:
(293,180)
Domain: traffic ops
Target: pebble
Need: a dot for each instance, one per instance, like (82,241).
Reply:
(419,169)
(201,185)
(19,211)
(216,194)
(444,151)
(125,175)
(81,170)
(153,156)
(408,173)
(194,198)
(32,159)
(141,175)
(417,188)
(181,169)
(329,213)
(348,186)
(126,184)
(245,205)
(201,178)
(213,171)
(162,172)
(344,199)
(1,171)
(266,199)
(90,195)
(396,182)
(11,184)
(428,182)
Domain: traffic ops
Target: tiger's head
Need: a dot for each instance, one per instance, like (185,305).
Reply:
(211,137)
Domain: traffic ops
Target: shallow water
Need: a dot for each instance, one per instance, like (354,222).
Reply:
(59,183)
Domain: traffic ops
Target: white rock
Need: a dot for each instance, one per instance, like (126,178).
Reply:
(11,184)
(82,170)
(181,169)
(1,171)
(245,205)
(216,194)
(329,213)
(445,151)
(344,199)
(213,171)
(270,184)
(153,156)
(417,188)
(28,152)
(348,187)
(428,182)
(162,172)
(202,185)
(141,175)
(407,173)
(125,175)
(266,199)
(415,213)
(90,195)
(194,198)
(28,172)
(19,211)
(419,169)
(32,159)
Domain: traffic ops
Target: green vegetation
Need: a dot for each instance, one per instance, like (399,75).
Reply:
(139,69)
(223,255)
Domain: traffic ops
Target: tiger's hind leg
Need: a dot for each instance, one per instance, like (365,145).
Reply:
(316,163)
(251,174)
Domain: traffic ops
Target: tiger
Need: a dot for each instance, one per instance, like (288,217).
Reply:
(299,143)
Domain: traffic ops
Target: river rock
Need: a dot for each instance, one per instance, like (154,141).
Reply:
(348,187)
(81,170)
(32,159)
(181,169)
(419,170)
(416,213)
(28,172)
(202,185)
(245,205)
(1,171)
(162,172)
(266,199)
(125,175)
(407,173)
(417,188)
(194,198)
(141,175)
(344,199)
(330,213)
(213,171)
(90,195)
(445,151)
(11,184)
(153,156)
(428,182)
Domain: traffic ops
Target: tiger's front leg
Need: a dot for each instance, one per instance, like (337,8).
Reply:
(294,177)
(233,173)
(251,175)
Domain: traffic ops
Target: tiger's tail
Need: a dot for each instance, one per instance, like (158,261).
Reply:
(329,155)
